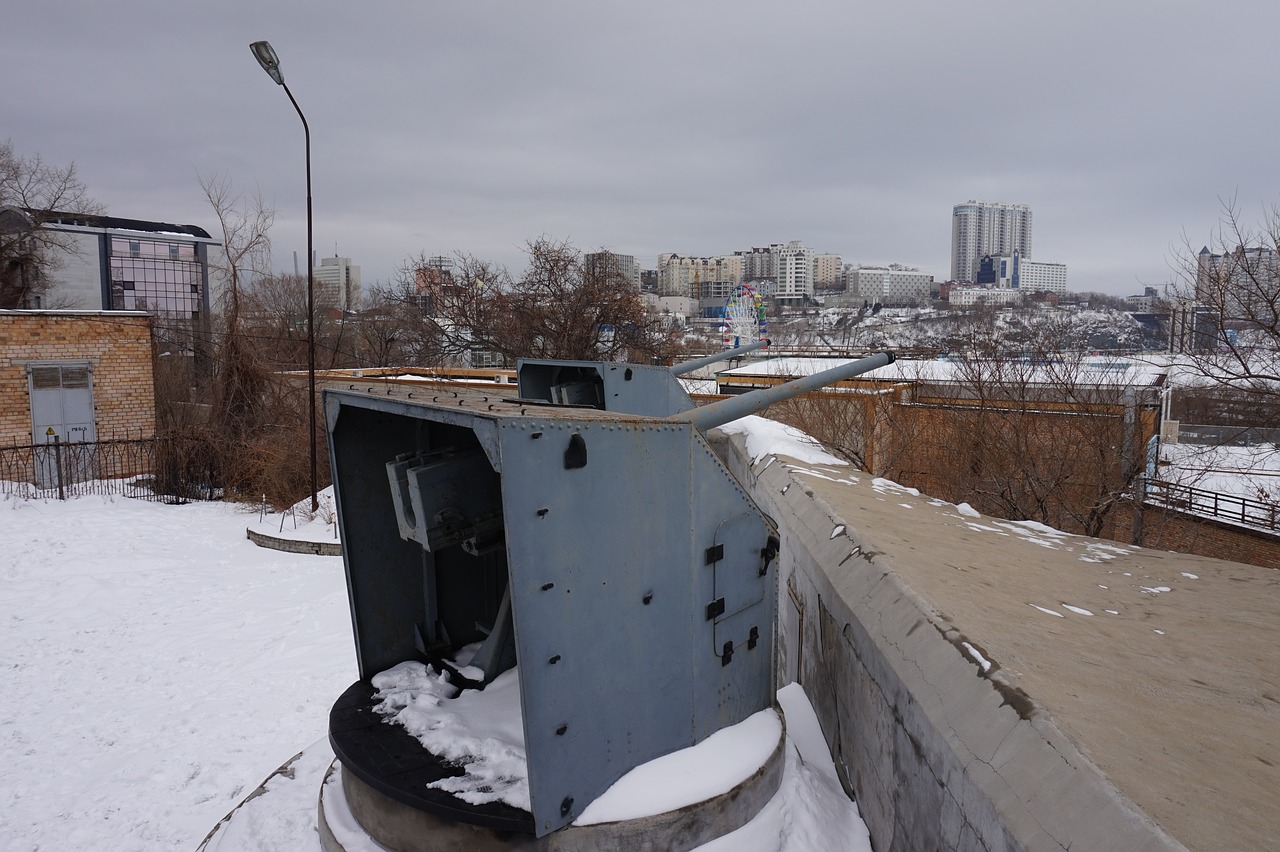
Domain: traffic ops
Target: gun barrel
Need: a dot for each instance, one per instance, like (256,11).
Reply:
(690,366)
(734,408)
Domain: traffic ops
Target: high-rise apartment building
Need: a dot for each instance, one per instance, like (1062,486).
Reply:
(759,264)
(625,263)
(980,229)
(1239,283)
(827,270)
(794,275)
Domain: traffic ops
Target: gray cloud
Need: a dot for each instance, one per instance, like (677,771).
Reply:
(665,126)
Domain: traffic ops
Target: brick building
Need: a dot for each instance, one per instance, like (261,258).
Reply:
(77,375)
(1056,443)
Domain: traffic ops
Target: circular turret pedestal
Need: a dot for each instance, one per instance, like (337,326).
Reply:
(352,812)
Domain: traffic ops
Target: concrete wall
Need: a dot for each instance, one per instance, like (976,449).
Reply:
(935,756)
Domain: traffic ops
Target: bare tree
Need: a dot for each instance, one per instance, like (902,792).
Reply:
(1022,427)
(395,329)
(33,192)
(560,307)
(240,376)
(1228,294)
(254,423)
(1037,436)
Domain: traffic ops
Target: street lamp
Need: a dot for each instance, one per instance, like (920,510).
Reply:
(271,64)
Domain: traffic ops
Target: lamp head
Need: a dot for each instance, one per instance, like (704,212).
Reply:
(268,60)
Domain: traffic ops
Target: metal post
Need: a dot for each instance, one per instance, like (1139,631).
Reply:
(271,64)
(57,464)
(311,316)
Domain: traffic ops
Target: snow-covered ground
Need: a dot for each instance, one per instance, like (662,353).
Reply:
(157,666)
(1088,329)
(298,522)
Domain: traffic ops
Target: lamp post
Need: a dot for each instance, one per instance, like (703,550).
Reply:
(271,64)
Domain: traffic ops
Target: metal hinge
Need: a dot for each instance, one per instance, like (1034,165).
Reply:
(715,608)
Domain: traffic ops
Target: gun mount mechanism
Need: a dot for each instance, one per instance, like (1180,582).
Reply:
(585,531)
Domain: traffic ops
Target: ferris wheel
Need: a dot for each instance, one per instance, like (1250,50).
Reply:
(744,318)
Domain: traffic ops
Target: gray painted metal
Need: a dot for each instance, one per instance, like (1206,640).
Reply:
(61,395)
(696,363)
(735,408)
(607,521)
(633,388)
(634,569)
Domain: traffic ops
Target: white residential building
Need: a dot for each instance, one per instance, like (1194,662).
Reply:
(980,228)
(967,296)
(337,283)
(893,287)
(794,276)
(1037,277)
(671,306)
(698,277)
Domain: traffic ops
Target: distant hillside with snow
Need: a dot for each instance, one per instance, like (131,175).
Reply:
(1038,327)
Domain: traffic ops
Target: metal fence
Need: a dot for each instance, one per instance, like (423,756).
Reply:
(1214,504)
(1233,436)
(158,468)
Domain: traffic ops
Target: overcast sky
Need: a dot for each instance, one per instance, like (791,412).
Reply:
(666,125)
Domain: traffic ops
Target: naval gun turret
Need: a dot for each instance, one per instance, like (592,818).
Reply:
(585,532)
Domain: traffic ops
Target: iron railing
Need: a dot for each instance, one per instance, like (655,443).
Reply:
(1233,436)
(156,468)
(1214,504)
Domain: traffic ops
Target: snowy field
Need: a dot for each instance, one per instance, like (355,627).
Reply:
(158,666)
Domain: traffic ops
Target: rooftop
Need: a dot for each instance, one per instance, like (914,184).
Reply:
(1162,668)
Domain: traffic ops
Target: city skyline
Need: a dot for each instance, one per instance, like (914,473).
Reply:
(458,129)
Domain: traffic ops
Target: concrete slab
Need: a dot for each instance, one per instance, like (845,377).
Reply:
(1162,669)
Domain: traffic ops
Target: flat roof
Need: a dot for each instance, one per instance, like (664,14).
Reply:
(92,222)
(48,312)
(1092,370)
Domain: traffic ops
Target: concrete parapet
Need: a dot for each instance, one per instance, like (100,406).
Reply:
(939,750)
(293,545)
